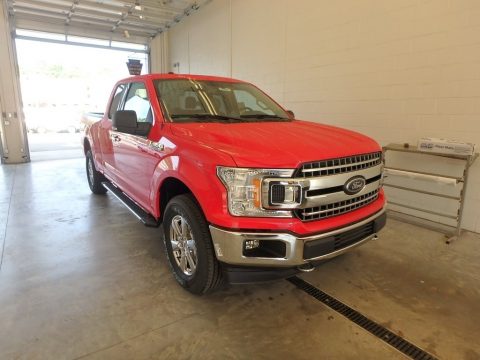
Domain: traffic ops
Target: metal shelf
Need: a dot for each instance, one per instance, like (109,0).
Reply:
(414,149)
(468,161)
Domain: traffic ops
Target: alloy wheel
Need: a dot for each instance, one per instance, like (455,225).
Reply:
(183,245)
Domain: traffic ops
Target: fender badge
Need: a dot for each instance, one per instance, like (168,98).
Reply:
(156,146)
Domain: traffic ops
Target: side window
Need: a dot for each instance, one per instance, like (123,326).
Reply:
(116,100)
(137,100)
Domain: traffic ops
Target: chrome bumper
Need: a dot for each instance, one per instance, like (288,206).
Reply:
(229,245)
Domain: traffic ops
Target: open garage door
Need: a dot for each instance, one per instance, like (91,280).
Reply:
(121,25)
(62,83)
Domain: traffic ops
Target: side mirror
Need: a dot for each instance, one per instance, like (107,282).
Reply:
(291,114)
(126,121)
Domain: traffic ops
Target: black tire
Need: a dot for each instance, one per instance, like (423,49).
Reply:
(94,177)
(207,275)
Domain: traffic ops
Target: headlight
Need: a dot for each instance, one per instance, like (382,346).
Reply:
(244,189)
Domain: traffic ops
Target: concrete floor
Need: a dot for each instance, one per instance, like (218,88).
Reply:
(81,278)
(55,146)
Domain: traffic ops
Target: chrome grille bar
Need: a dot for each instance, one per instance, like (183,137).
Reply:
(340,165)
(336,208)
(348,204)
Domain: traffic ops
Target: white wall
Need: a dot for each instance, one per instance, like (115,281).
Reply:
(395,70)
(209,41)
(159,58)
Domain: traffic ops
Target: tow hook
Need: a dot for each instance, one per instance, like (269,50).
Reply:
(306,267)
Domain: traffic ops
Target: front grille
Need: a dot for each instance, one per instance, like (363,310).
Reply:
(340,165)
(337,208)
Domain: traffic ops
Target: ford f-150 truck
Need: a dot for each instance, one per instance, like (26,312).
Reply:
(244,191)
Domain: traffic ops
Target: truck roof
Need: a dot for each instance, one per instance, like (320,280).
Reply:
(179,76)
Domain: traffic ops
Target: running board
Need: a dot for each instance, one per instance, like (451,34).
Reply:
(146,218)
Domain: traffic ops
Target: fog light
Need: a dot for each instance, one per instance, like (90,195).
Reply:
(251,244)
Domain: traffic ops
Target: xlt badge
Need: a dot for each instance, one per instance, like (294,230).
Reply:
(354,185)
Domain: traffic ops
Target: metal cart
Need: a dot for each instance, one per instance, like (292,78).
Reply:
(418,220)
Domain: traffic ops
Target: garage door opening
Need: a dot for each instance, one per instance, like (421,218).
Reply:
(61,83)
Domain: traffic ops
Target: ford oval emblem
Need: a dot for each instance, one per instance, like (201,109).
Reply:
(354,185)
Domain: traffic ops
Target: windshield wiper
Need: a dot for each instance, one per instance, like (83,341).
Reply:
(262,116)
(206,117)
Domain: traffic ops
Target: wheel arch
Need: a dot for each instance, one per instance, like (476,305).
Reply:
(169,188)
(194,170)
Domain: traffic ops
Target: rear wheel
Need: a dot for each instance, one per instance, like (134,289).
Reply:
(94,177)
(189,246)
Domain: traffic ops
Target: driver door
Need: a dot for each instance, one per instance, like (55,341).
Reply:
(104,134)
(135,166)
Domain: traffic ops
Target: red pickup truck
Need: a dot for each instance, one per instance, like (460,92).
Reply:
(245,192)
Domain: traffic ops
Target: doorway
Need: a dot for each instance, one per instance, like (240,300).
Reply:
(61,83)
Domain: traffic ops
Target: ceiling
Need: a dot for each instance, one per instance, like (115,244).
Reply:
(121,20)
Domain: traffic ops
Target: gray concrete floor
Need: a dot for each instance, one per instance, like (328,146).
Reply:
(55,146)
(81,278)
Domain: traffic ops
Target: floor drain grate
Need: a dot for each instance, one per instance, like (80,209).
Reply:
(379,331)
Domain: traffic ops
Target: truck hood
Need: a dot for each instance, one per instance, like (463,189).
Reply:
(277,144)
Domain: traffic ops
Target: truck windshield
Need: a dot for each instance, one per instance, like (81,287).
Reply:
(186,100)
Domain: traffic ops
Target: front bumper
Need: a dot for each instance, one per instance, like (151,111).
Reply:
(293,250)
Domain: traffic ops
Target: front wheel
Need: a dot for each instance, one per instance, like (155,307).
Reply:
(189,246)
(94,177)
